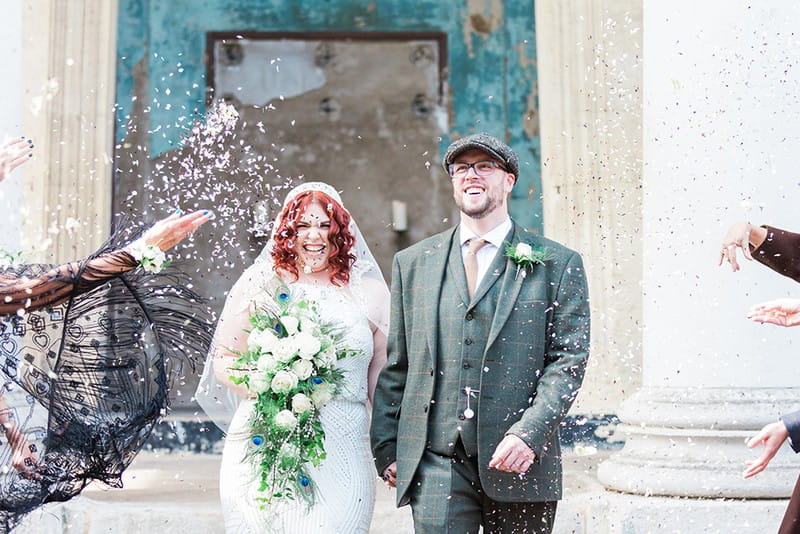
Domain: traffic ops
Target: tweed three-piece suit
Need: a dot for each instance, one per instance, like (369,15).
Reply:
(522,341)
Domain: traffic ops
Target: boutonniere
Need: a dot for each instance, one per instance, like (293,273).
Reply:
(525,256)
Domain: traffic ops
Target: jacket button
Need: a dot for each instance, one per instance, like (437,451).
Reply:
(468,341)
(466,365)
(469,316)
(425,409)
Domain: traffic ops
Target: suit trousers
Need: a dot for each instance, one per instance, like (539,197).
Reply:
(447,497)
(791,519)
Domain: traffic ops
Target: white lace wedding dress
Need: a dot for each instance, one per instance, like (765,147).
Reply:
(344,495)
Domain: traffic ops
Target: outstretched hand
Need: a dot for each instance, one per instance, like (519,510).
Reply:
(14,153)
(738,236)
(171,230)
(782,312)
(772,437)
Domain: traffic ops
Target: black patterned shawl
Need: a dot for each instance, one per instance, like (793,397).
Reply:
(88,352)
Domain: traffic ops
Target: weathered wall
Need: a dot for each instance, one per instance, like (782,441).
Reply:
(491,82)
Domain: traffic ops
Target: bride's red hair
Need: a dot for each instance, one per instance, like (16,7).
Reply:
(340,238)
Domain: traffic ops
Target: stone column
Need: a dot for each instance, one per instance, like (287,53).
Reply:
(720,134)
(589,71)
(69,58)
(11,120)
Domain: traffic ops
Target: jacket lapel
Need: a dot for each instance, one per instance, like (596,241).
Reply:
(435,264)
(456,271)
(509,291)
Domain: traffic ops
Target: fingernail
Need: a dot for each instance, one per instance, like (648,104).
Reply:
(30,155)
(31,146)
(177,210)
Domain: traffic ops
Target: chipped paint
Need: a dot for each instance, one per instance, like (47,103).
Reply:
(491,84)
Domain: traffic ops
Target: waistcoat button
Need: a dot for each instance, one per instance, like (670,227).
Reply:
(468,341)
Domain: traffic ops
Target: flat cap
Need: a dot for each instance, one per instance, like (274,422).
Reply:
(486,143)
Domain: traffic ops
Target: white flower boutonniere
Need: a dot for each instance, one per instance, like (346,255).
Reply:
(151,258)
(525,256)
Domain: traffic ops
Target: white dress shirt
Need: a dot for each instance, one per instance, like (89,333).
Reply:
(496,236)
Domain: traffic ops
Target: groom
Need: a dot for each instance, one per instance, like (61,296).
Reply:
(485,357)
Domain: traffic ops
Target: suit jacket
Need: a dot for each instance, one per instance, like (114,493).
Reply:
(533,362)
(780,251)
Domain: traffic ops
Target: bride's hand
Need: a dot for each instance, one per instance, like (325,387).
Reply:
(14,153)
(390,475)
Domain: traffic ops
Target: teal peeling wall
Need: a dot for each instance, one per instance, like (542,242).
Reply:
(491,78)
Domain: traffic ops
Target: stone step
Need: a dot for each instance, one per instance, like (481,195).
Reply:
(178,492)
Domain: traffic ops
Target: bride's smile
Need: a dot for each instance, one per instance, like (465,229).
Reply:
(312,244)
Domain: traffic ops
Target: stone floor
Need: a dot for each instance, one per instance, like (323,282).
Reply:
(178,492)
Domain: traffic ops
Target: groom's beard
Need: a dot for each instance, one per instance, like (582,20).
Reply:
(478,211)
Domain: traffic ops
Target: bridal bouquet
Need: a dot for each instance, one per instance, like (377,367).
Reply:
(288,366)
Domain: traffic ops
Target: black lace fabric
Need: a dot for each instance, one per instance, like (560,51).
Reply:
(88,352)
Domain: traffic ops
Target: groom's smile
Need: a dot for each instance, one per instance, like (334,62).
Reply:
(479,195)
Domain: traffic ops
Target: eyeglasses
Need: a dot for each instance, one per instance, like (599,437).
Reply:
(481,168)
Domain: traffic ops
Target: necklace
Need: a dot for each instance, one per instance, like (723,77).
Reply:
(307,269)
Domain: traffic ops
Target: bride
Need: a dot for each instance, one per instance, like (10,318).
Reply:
(317,250)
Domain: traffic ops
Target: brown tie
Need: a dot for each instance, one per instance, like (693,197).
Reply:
(471,263)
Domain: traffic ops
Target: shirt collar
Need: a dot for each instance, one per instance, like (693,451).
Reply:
(495,236)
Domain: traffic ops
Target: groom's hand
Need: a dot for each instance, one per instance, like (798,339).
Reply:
(390,475)
(512,455)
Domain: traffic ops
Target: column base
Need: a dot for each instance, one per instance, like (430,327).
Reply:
(690,443)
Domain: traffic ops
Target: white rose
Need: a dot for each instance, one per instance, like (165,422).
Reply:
(301,403)
(290,324)
(322,395)
(308,325)
(263,339)
(523,249)
(285,349)
(303,369)
(151,258)
(284,382)
(258,383)
(307,345)
(326,358)
(285,420)
(290,451)
(266,363)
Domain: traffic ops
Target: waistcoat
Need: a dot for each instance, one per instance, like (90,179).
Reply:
(463,330)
